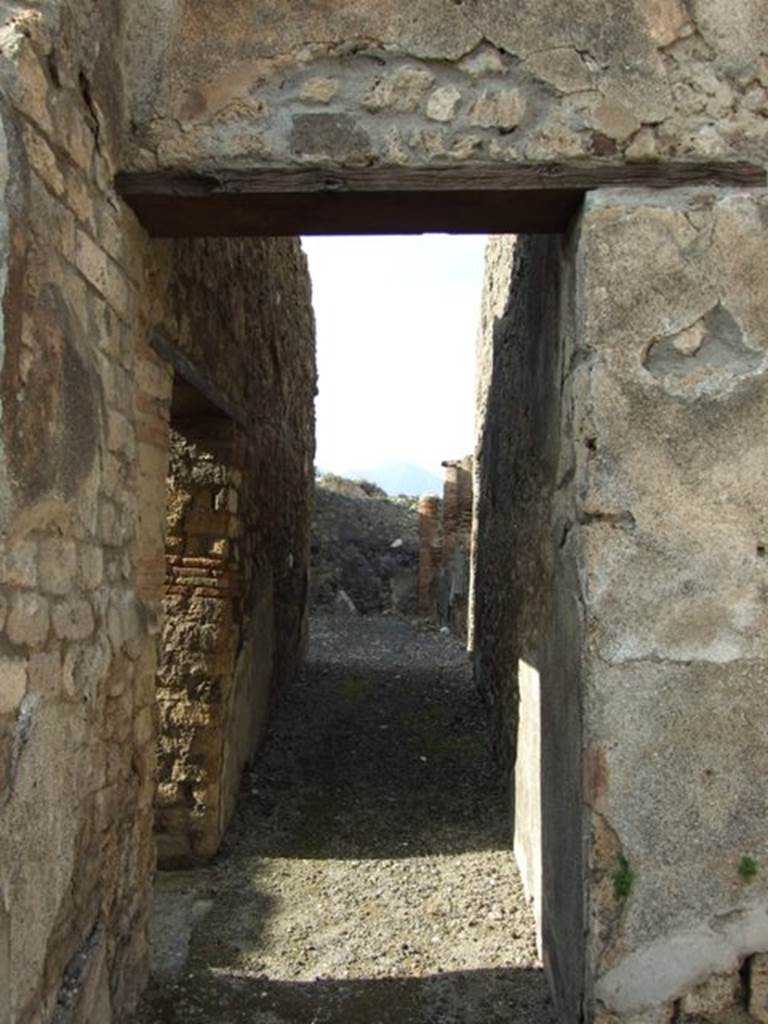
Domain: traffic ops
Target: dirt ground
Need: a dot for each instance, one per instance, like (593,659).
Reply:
(368,875)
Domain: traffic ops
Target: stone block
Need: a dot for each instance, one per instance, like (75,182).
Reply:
(28,620)
(73,619)
(45,673)
(330,136)
(58,565)
(443,103)
(13,684)
(758,987)
(43,160)
(90,560)
(485,60)
(18,568)
(120,434)
(720,992)
(502,109)
(319,90)
(401,91)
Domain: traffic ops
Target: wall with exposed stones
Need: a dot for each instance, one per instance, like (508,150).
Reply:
(84,443)
(365,543)
(238,521)
(408,84)
(620,620)
(453,577)
(78,620)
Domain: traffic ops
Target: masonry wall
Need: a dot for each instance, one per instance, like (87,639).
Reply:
(619,614)
(436,83)
(665,387)
(527,621)
(453,576)
(84,443)
(78,617)
(670,388)
(238,521)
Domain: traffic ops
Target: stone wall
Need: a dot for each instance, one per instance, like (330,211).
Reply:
(83,460)
(670,386)
(453,576)
(241,311)
(481,81)
(620,623)
(635,533)
(527,619)
(78,619)
(238,516)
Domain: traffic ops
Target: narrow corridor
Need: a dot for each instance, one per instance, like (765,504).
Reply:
(368,875)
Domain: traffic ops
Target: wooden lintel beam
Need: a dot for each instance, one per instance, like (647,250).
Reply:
(523,198)
(194,376)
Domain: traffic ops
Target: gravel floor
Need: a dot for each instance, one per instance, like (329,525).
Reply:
(367,876)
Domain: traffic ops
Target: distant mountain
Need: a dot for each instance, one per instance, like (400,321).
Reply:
(400,478)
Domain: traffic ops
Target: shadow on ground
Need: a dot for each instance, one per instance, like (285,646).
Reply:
(503,996)
(366,760)
(366,878)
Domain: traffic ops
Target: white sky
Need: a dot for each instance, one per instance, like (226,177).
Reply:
(396,323)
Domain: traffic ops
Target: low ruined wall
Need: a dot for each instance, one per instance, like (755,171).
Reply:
(403,84)
(364,543)
(453,576)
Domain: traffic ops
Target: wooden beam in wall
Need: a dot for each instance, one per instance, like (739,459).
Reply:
(212,395)
(536,199)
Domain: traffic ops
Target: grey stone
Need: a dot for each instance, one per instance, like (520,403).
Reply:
(28,620)
(343,605)
(443,102)
(73,619)
(330,137)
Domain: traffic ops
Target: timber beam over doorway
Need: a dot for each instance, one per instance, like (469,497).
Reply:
(527,198)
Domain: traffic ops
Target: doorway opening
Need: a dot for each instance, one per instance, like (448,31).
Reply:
(531,304)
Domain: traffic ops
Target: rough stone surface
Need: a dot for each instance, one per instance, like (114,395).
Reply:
(662,525)
(526,630)
(445,537)
(557,82)
(673,578)
(758,987)
(76,853)
(355,530)
(236,550)
(83,459)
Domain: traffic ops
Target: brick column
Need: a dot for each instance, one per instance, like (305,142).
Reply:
(429,552)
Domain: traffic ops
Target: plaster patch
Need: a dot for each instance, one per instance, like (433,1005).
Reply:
(675,964)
